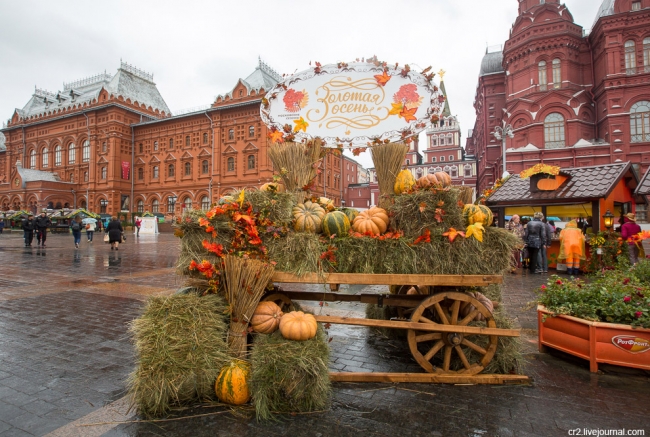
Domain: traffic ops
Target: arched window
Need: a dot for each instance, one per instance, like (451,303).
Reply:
(204,166)
(442,159)
(187,203)
(434,140)
(231,164)
(640,122)
(451,157)
(32,159)
(45,159)
(140,173)
(57,156)
(171,203)
(251,162)
(557,73)
(188,169)
(140,206)
(438,169)
(467,170)
(85,176)
(187,141)
(104,172)
(154,205)
(251,131)
(205,138)
(140,148)
(630,57)
(171,143)
(154,172)
(103,205)
(646,54)
(171,171)
(104,147)
(85,151)
(554,131)
(231,134)
(205,203)
(454,172)
(541,73)
(72,153)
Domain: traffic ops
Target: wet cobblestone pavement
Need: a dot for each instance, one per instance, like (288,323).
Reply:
(65,353)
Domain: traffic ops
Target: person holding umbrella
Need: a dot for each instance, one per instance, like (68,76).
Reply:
(91,226)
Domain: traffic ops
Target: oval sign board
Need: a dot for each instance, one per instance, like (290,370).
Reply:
(353,103)
(631,344)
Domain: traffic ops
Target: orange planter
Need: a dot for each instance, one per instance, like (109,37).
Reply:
(597,342)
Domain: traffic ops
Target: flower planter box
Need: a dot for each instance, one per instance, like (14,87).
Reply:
(597,342)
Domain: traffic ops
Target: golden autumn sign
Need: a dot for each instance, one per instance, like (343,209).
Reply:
(352,103)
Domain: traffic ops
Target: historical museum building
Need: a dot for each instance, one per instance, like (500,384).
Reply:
(109,143)
(573,98)
(442,152)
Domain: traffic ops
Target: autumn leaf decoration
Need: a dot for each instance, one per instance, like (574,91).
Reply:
(424,238)
(301,125)
(452,233)
(382,79)
(358,150)
(408,114)
(276,136)
(476,231)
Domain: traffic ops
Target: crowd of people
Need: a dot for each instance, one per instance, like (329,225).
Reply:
(38,227)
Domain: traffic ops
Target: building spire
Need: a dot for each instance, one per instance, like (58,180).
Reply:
(446,112)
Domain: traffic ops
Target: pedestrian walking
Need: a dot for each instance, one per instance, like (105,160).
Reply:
(572,247)
(542,255)
(114,230)
(42,222)
(629,229)
(535,238)
(515,227)
(2,225)
(138,223)
(76,231)
(28,230)
(90,230)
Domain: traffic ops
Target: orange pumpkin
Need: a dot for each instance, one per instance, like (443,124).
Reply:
(232,385)
(443,178)
(374,220)
(437,179)
(466,307)
(266,318)
(273,187)
(297,325)
(309,217)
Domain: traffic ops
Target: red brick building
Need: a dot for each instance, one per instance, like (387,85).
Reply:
(110,143)
(574,98)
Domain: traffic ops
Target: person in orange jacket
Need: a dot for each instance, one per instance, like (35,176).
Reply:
(572,247)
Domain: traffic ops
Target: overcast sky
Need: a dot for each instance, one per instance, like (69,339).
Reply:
(198,49)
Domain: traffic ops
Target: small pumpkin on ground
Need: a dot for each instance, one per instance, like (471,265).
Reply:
(298,326)
(477,214)
(336,222)
(266,317)
(232,383)
(273,187)
(309,217)
(374,220)
(404,182)
(351,213)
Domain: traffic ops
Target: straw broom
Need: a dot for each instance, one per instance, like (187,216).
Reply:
(246,281)
(465,194)
(388,159)
(296,162)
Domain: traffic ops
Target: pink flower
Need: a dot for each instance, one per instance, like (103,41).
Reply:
(558,282)
(627,299)
(626,281)
(543,287)
(638,314)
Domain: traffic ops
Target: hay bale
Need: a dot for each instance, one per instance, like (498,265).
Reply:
(407,215)
(277,207)
(296,252)
(289,376)
(180,347)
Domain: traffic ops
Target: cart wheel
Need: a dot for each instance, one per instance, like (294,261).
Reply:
(281,300)
(444,308)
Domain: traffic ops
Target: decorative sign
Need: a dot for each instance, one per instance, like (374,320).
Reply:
(126,167)
(631,344)
(149,225)
(354,103)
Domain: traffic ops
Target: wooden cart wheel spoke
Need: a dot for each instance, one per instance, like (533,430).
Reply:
(442,314)
(434,351)
(462,357)
(428,337)
(473,346)
(469,318)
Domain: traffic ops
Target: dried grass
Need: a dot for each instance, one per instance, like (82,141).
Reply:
(388,159)
(180,347)
(415,212)
(296,162)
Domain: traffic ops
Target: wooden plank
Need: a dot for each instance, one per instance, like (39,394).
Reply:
(407,301)
(430,327)
(434,378)
(388,279)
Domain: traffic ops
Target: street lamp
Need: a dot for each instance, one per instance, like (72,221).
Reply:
(500,133)
(608,220)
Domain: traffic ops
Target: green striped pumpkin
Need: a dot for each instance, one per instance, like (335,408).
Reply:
(471,215)
(336,222)
(308,217)
(351,213)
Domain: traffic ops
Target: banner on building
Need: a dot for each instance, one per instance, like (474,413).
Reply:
(126,204)
(126,169)
(353,103)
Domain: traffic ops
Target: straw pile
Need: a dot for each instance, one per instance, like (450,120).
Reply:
(246,281)
(180,346)
(388,159)
(289,376)
(415,212)
(296,162)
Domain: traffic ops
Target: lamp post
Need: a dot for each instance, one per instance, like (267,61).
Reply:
(608,220)
(500,133)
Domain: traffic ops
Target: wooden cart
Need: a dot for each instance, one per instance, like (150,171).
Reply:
(434,323)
